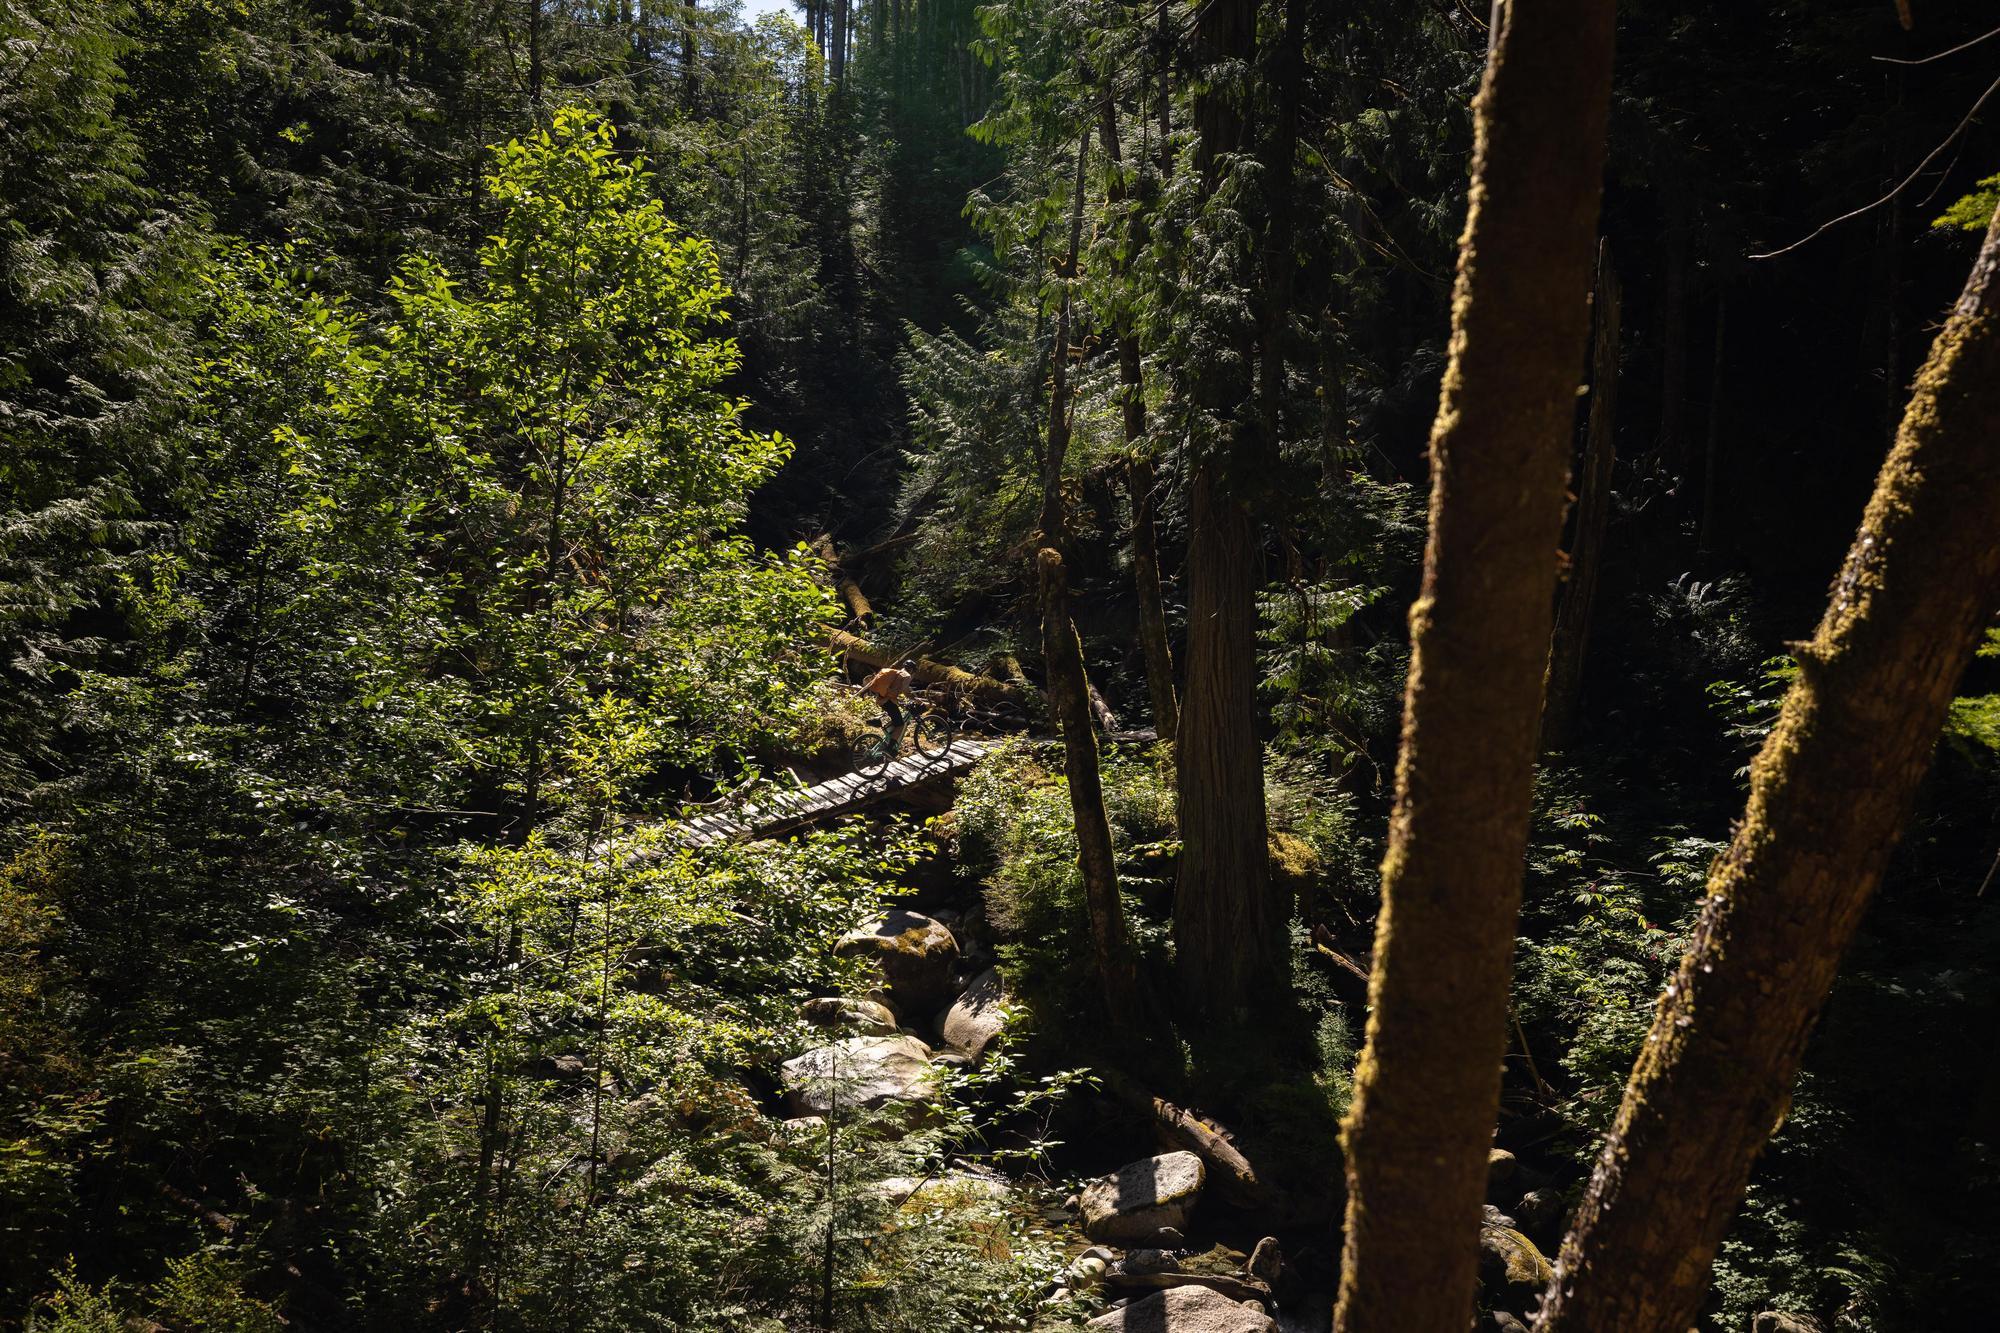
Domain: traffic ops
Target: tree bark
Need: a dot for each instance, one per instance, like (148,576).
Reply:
(690,56)
(1829,795)
(1229,928)
(1068,686)
(1153,637)
(1593,511)
(837,35)
(1287,67)
(1711,453)
(1428,1084)
(1673,339)
(1153,640)
(859,608)
(979,689)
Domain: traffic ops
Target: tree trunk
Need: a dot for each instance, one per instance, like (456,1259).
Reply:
(1287,66)
(1710,531)
(690,56)
(837,36)
(535,20)
(1068,687)
(1428,1085)
(1593,511)
(1673,340)
(859,609)
(1229,928)
(1153,639)
(978,689)
(1829,795)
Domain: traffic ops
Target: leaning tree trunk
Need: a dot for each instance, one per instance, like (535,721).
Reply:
(1593,513)
(1829,795)
(1229,927)
(1068,687)
(1428,1085)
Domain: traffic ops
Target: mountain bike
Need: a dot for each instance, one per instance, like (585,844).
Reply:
(929,728)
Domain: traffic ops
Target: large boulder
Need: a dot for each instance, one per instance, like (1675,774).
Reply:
(1138,1200)
(1187,1310)
(1512,1270)
(837,1011)
(976,1017)
(859,1072)
(915,953)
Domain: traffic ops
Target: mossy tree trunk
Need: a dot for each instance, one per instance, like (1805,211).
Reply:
(1229,928)
(1429,1080)
(1068,686)
(1829,794)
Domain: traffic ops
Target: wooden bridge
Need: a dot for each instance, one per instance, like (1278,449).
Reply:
(782,812)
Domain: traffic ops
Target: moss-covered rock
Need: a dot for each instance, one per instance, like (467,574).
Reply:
(916,955)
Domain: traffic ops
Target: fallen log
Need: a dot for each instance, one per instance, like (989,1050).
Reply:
(858,605)
(928,672)
(1235,1179)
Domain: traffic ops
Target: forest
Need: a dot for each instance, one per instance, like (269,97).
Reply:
(928,666)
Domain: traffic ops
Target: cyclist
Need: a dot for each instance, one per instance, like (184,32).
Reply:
(886,687)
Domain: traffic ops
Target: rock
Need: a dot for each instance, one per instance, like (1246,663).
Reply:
(976,1017)
(1511,1268)
(1104,1252)
(953,1059)
(954,1189)
(1142,1198)
(1500,1166)
(1265,1261)
(1218,1259)
(880,995)
(1777,1321)
(1086,1272)
(558,1068)
(1499,1321)
(1148,1261)
(858,1072)
(866,1016)
(1541,1211)
(1493,1217)
(1186,1310)
(915,953)
(1235,1288)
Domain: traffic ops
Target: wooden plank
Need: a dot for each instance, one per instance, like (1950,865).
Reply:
(836,796)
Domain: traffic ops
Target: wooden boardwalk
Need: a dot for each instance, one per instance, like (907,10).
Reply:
(784,811)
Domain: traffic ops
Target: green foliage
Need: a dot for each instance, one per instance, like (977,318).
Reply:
(1601,935)
(201,1292)
(1972,212)
(1015,830)
(1974,720)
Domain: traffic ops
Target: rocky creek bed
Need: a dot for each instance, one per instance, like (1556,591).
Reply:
(1155,1240)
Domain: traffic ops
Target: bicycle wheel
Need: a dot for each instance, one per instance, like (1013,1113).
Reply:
(872,755)
(934,732)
